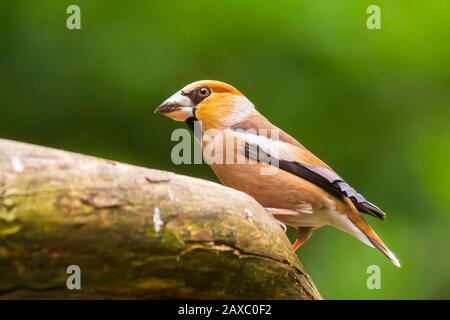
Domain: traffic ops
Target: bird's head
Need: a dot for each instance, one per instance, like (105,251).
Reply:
(216,104)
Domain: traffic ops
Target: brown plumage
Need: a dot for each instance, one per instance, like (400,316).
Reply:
(300,189)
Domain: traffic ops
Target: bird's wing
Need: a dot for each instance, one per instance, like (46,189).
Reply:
(289,155)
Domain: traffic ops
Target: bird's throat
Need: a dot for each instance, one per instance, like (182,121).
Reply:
(190,123)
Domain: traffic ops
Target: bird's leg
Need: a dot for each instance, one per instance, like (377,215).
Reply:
(286,215)
(303,235)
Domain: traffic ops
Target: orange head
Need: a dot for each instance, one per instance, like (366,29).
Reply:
(216,104)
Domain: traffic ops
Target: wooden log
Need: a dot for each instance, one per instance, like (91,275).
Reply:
(134,233)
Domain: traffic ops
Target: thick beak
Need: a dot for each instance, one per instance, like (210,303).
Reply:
(167,107)
(178,107)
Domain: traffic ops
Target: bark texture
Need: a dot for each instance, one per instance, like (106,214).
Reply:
(135,233)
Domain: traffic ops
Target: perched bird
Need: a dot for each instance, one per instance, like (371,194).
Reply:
(302,191)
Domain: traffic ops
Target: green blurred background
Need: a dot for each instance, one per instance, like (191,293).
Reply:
(374,104)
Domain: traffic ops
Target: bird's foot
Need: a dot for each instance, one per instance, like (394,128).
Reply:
(277,213)
(281,224)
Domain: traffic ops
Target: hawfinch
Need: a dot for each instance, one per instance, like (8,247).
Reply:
(295,186)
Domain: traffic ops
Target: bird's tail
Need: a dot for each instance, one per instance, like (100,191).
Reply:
(356,218)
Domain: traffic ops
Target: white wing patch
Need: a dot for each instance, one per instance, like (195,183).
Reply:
(274,148)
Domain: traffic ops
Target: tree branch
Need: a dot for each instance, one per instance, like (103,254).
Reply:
(135,233)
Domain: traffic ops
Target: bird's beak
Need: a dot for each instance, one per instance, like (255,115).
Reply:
(178,107)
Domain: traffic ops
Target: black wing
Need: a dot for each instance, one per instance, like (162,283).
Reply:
(323,177)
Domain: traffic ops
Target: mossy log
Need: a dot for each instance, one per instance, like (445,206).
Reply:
(134,233)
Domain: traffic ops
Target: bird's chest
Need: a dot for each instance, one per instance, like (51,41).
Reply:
(269,185)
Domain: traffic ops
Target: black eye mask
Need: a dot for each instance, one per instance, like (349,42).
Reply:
(195,96)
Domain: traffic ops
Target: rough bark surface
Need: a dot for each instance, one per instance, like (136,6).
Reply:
(135,233)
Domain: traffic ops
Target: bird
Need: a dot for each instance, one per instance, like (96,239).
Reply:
(290,182)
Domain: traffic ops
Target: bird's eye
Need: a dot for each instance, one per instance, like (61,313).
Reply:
(203,92)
